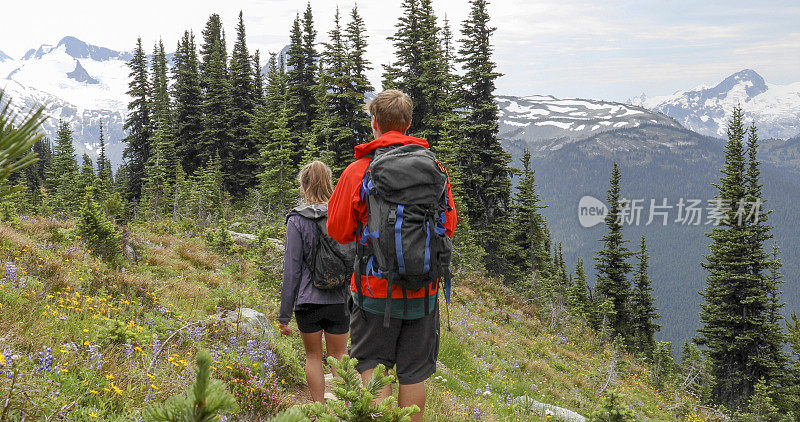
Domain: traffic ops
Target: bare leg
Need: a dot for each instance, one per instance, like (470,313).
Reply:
(411,394)
(336,345)
(385,392)
(314,377)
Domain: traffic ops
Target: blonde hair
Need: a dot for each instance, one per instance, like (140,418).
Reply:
(315,182)
(392,110)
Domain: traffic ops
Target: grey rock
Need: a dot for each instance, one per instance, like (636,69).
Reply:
(544,409)
(248,321)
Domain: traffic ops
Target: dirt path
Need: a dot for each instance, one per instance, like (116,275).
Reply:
(303,395)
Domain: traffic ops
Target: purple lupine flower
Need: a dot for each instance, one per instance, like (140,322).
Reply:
(155,345)
(270,362)
(45,361)
(11,273)
(128,351)
(95,356)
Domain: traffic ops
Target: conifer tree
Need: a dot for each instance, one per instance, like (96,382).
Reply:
(310,57)
(36,173)
(188,103)
(528,234)
(335,105)
(138,122)
(612,265)
(271,131)
(302,94)
(643,310)
(205,401)
(104,172)
(100,235)
(579,293)
(86,177)
(258,79)
(242,170)
(483,163)
(63,172)
(562,282)
(215,139)
(355,36)
(420,69)
(163,130)
(744,345)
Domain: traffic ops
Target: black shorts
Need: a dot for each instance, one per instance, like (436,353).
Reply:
(411,344)
(313,317)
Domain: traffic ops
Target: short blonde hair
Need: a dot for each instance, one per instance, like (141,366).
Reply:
(392,110)
(315,182)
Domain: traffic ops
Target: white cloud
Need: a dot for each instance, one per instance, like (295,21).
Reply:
(611,49)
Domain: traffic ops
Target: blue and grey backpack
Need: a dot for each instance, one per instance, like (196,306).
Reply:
(404,240)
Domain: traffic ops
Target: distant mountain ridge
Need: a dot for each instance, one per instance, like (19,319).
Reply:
(546,123)
(775,109)
(77,82)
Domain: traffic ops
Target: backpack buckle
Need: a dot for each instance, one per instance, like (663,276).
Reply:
(392,216)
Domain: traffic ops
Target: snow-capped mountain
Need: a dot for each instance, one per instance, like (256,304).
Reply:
(775,109)
(79,83)
(545,123)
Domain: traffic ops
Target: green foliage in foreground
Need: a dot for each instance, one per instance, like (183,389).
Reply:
(354,401)
(207,399)
(16,142)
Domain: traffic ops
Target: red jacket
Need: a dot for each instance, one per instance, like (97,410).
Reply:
(345,210)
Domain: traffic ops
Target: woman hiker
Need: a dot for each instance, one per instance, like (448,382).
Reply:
(319,312)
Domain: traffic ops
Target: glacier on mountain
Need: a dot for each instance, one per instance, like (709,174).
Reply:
(775,109)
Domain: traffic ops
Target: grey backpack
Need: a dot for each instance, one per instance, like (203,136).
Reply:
(404,240)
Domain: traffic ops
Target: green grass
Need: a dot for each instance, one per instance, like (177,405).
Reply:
(66,299)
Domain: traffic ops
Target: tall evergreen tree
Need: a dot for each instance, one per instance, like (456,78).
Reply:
(271,130)
(302,78)
(420,69)
(483,163)
(579,293)
(643,309)
(216,137)
(335,94)
(258,79)
(301,82)
(612,265)
(528,234)
(104,171)
(36,174)
(241,170)
(86,178)
(744,345)
(355,36)
(137,123)
(188,96)
(63,172)
(163,130)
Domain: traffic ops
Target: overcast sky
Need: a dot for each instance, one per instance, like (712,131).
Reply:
(590,49)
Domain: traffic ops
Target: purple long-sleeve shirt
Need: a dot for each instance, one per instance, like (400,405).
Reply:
(297,288)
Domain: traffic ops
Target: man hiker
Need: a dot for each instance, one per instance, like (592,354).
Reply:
(395,201)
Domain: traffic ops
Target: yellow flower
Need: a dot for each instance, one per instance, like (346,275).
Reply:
(94,415)
(94,391)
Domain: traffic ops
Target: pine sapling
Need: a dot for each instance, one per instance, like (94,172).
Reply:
(207,399)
